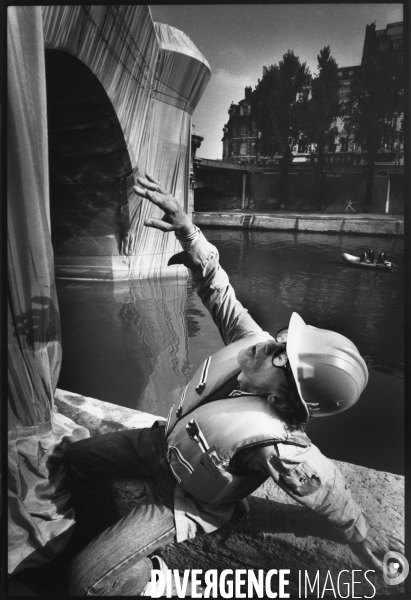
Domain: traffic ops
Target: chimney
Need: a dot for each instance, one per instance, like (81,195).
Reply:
(247,93)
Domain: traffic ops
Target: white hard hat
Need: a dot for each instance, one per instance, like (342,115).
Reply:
(327,367)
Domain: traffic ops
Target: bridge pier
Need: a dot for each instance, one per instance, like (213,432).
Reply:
(122,90)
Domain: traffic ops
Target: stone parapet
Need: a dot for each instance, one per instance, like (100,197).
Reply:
(364,225)
(280,533)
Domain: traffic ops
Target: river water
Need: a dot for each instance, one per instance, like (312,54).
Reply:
(130,343)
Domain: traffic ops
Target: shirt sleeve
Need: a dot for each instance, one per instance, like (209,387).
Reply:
(213,286)
(314,481)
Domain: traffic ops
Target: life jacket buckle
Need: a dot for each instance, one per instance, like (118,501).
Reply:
(195,433)
(192,430)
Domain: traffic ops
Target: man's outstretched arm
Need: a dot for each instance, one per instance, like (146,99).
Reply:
(201,257)
(314,481)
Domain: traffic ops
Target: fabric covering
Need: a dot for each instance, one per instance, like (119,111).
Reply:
(96,96)
(40,514)
(152,76)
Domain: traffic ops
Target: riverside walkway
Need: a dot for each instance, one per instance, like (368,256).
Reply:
(344,222)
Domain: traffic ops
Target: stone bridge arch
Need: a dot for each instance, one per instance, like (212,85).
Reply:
(153,76)
(90,172)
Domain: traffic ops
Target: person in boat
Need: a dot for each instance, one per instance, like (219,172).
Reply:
(240,420)
(363,257)
(370,255)
(382,258)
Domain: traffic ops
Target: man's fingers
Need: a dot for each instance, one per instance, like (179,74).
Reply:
(396,544)
(150,195)
(374,560)
(158,224)
(154,187)
(150,178)
(397,539)
(140,191)
(151,184)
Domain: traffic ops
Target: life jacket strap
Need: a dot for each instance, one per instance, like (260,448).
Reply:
(204,375)
(195,433)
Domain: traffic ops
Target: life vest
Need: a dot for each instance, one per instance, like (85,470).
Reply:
(205,431)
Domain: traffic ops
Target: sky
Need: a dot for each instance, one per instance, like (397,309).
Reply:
(239,39)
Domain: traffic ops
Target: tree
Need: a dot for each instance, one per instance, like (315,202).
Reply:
(323,109)
(371,111)
(279,107)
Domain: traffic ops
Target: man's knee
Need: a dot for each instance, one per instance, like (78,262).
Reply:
(73,458)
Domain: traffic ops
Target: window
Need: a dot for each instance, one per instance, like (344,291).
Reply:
(344,144)
(397,44)
(383,46)
(243,149)
(243,129)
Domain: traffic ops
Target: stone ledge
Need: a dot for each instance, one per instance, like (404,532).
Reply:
(280,533)
(376,225)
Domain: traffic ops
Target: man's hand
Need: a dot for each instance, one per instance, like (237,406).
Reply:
(375,545)
(175,219)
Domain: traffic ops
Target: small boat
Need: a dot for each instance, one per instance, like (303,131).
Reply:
(356,262)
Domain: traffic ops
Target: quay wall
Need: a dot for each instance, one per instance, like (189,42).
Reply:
(280,534)
(376,225)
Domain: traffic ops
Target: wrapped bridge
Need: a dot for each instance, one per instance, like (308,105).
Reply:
(121,91)
(96,95)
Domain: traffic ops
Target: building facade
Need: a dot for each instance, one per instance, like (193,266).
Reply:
(240,132)
(380,40)
(376,42)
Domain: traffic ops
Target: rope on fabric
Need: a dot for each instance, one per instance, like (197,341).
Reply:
(115,54)
(124,31)
(129,36)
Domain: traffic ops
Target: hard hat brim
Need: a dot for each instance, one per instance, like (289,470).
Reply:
(327,368)
(296,329)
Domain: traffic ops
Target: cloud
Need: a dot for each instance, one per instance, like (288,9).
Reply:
(223,78)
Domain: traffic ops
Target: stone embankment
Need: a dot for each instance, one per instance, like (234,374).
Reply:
(364,224)
(280,533)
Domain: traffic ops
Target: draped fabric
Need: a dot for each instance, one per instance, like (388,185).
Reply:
(40,514)
(180,78)
(151,76)
(96,96)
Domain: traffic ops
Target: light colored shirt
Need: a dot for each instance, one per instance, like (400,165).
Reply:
(304,474)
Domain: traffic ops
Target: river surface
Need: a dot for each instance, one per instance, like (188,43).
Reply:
(130,343)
